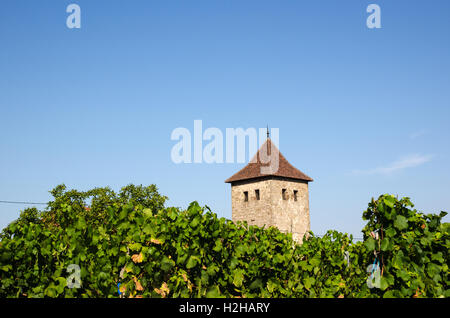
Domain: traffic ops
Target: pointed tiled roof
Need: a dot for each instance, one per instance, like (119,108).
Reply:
(253,169)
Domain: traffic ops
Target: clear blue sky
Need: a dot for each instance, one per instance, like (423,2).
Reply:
(362,111)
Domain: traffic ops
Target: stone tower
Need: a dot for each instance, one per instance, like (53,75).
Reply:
(279,198)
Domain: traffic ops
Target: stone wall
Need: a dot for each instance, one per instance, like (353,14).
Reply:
(272,210)
(255,212)
(290,215)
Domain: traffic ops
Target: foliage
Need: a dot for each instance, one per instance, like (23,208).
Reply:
(413,248)
(130,240)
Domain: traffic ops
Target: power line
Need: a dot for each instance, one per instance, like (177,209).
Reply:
(21,202)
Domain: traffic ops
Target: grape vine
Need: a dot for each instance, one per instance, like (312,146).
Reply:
(129,245)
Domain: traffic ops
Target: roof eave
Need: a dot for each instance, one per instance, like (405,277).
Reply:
(230,180)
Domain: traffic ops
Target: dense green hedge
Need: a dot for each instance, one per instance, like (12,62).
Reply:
(129,238)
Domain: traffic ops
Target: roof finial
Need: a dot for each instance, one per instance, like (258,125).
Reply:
(268,134)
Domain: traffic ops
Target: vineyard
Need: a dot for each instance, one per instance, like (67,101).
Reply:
(105,244)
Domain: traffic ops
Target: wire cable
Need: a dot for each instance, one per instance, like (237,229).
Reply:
(21,202)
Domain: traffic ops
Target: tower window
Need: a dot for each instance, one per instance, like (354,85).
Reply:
(283,194)
(257,194)
(245,196)
(295,195)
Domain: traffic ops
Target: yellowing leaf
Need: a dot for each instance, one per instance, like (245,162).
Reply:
(155,241)
(138,285)
(163,291)
(128,268)
(137,258)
